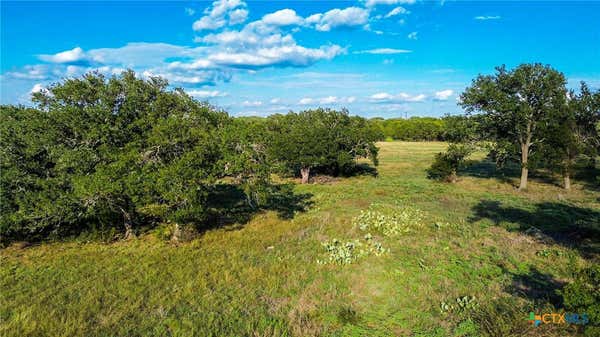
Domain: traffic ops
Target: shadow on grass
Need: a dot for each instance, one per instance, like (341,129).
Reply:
(588,175)
(228,204)
(360,169)
(551,222)
(536,286)
(511,172)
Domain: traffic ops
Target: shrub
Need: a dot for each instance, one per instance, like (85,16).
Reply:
(446,164)
(583,296)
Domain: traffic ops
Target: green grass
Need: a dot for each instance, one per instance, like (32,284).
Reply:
(263,279)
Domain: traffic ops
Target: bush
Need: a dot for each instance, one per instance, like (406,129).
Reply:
(583,296)
(446,164)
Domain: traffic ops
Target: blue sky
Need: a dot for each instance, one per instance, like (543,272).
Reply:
(385,58)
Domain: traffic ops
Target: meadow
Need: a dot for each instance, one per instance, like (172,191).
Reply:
(479,258)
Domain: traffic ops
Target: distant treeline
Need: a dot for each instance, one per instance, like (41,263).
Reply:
(414,128)
(411,129)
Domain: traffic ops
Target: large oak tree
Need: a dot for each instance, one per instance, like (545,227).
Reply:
(518,105)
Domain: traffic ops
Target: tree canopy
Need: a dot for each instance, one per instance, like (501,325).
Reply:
(518,105)
(99,151)
(322,139)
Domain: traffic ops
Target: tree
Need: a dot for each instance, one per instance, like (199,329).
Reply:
(574,133)
(103,150)
(321,139)
(518,104)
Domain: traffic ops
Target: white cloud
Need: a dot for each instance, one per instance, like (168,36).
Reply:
(221,13)
(381,96)
(306,101)
(328,100)
(252,103)
(197,64)
(347,17)
(284,17)
(443,95)
(401,97)
(238,16)
(30,72)
(373,3)
(36,88)
(205,93)
(75,55)
(412,36)
(190,11)
(275,101)
(397,11)
(208,23)
(287,55)
(383,51)
(487,17)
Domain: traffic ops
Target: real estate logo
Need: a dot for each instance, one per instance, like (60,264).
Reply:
(558,318)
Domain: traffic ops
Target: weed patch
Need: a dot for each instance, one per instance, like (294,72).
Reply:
(389,221)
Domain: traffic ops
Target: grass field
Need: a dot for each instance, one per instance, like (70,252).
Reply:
(261,278)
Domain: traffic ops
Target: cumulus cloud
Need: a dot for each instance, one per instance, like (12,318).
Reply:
(30,72)
(443,95)
(237,16)
(284,17)
(275,100)
(306,101)
(373,3)
(205,93)
(487,17)
(73,56)
(327,100)
(384,97)
(36,88)
(396,11)
(252,103)
(412,35)
(223,49)
(336,18)
(288,55)
(383,51)
(221,13)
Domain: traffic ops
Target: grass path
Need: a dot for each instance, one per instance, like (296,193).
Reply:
(263,279)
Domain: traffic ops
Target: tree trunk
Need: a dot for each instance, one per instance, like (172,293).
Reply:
(176,233)
(524,168)
(453,177)
(305,172)
(127,223)
(567,180)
